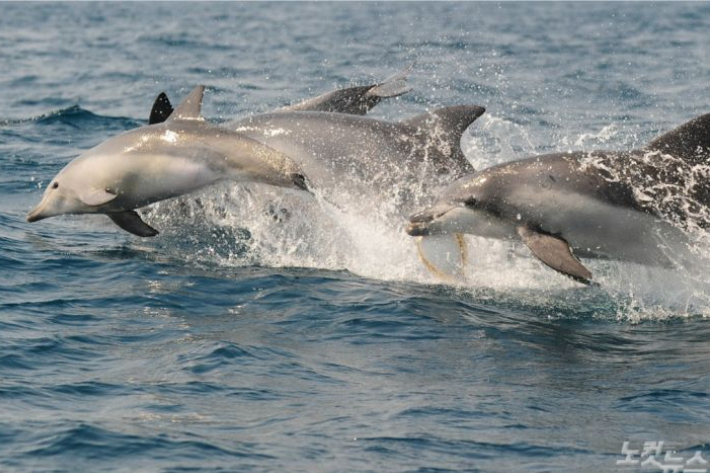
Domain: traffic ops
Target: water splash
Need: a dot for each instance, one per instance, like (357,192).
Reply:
(236,226)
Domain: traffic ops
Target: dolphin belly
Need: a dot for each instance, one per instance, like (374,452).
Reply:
(596,229)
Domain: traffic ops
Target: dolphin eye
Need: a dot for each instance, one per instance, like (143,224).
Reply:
(55,185)
(470,202)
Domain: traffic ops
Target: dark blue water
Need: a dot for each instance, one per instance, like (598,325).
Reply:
(230,343)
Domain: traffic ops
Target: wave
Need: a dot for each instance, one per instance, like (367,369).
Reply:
(75,116)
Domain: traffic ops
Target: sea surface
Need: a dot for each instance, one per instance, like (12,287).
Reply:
(237,342)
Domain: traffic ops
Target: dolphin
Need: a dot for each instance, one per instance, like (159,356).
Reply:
(160,161)
(357,163)
(331,142)
(632,206)
(354,160)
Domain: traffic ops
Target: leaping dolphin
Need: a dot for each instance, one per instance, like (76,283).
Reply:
(628,206)
(160,161)
(354,160)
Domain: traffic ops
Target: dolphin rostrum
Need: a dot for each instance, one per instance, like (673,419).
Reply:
(156,162)
(631,206)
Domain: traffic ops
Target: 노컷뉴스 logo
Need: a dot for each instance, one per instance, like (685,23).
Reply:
(653,457)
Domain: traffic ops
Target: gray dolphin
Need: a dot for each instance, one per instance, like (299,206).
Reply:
(372,168)
(630,206)
(349,156)
(333,144)
(160,161)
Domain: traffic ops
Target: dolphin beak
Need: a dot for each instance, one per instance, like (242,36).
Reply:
(39,212)
(35,214)
(417,229)
(420,222)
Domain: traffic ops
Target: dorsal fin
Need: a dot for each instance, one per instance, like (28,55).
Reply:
(444,127)
(191,106)
(161,109)
(690,140)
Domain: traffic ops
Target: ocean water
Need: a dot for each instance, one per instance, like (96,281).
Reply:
(236,342)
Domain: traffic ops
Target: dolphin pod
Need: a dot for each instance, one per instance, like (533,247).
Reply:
(630,206)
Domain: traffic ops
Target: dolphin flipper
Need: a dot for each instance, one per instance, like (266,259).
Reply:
(131,222)
(355,100)
(161,109)
(556,253)
(444,255)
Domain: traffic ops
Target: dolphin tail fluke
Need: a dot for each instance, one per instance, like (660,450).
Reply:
(131,222)
(355,100)
(394,86)
(441,130)
(445,256)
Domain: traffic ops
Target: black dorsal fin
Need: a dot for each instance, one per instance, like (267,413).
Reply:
(161,109)
(690,140)
(444,127)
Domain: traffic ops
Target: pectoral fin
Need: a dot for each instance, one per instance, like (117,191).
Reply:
(555,253)
(444,255)
(132,223)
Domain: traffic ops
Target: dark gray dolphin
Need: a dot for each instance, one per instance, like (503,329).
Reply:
(355,160)
(630,206)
